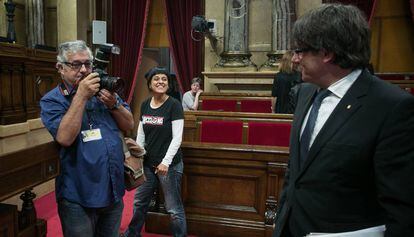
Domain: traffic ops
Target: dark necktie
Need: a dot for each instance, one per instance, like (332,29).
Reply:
(310,125)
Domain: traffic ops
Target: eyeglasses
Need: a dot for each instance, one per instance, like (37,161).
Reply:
(302,50)
(78,65)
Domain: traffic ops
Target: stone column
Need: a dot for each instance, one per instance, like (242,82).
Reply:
(67,20)
(34,23)
(236,55)
(3,21)
(283,17)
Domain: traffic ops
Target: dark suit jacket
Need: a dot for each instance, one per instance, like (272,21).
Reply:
(360,168)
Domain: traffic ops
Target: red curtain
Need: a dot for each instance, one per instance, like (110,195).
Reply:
(129,21)
(367,6)
(186,52)
(412,8)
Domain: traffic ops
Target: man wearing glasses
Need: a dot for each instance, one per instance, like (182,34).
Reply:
(85,121)
(351,159)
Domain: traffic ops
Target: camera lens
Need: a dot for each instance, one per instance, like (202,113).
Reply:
(112,84)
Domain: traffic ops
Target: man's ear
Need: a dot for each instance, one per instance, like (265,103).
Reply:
(59,67)
(328,56)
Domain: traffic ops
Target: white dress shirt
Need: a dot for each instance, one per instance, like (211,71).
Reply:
(338,90)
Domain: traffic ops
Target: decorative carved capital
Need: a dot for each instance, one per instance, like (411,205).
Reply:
(272,63)
(234,60)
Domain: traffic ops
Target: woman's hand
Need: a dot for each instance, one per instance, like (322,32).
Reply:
(161,169)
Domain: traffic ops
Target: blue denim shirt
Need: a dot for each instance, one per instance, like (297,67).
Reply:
(91,173)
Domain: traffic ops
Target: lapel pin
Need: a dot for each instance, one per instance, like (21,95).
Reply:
(348,107)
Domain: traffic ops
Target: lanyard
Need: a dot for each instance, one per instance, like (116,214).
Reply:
(89,114)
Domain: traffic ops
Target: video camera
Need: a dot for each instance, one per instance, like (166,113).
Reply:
(100,63)
(200,24)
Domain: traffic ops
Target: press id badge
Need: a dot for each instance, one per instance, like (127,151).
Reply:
(91,135)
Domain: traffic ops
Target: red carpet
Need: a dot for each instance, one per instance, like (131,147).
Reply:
(46,209)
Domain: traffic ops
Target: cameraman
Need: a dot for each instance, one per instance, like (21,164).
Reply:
(85,120)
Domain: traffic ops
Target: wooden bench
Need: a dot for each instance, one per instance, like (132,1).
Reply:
(236,102)
(237,127)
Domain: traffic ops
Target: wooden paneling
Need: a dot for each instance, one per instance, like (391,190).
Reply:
(392,37)
(25,75)
(8,220)
(386,8)
(228,190)
(397,47)
(12,78)
(9,224)
(156,35)
(27,168)
(20,171)
(375,42)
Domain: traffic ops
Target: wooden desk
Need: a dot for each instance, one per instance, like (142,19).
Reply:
(25,75)
(228,190)
(19,172)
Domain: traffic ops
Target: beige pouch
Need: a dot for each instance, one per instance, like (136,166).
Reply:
(133,164)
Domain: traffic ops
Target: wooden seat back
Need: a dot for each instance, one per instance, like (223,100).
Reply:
(235,102)
(234,128)
(221,131)
(269,133)
(219,105)
(256,106)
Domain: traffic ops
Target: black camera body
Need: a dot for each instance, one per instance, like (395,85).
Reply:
(100,63)
(200,24)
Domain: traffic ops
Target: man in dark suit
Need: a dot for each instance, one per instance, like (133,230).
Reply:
(352,143)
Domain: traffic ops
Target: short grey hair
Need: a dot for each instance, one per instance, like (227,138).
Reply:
(196,80)
(340,29)
(72,47)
